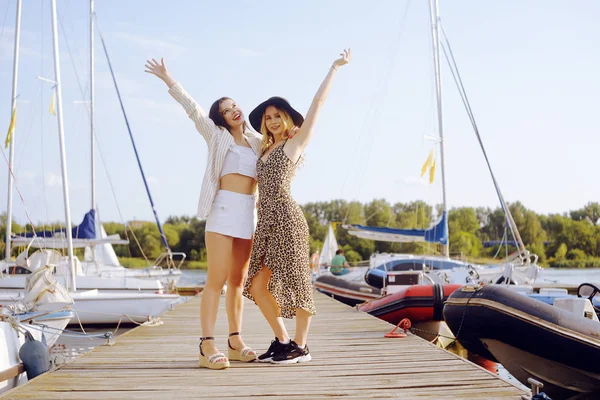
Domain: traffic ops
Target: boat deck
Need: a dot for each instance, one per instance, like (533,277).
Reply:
(351,358)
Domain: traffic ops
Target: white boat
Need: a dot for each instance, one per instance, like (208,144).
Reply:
(97,307)
(94,306)
(43,310)
(520,269)
(14,273)
(44,326)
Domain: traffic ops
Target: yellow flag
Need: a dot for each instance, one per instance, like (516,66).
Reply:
(11,128)
(432,172)
(427,163)
(52,103)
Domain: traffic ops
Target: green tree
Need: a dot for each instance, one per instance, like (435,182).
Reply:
(561,252)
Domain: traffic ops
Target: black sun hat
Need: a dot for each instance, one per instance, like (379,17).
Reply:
(279,102)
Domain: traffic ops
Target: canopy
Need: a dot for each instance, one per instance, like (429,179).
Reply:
(437,233)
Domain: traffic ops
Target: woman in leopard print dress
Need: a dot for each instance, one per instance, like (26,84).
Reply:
(279,278)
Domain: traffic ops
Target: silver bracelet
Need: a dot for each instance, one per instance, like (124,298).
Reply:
(334,67)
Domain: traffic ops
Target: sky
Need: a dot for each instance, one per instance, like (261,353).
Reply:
(529,69)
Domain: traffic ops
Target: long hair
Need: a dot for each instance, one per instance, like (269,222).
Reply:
(268,138)
(215,114)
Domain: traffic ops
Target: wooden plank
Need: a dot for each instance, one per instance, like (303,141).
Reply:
(11,372)
(351,358)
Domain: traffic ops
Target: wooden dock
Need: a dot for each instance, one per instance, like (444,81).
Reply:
(351,358)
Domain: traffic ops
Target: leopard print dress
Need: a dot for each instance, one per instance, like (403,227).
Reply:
(281,238)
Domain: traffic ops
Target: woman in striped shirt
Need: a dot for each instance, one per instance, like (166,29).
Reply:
(227,200)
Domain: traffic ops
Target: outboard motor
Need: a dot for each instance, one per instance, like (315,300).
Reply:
(35,357)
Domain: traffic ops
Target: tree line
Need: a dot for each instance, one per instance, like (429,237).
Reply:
(570,239)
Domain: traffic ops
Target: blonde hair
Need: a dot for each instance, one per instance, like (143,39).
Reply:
(268,139)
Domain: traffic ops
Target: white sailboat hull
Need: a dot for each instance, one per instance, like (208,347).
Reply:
(16,283)
(96,307)
(11,342)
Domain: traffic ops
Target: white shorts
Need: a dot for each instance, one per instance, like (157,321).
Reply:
(232,214)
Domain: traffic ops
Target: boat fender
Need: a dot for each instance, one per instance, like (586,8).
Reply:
(35,357)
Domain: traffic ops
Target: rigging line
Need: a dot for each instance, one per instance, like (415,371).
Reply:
(4,22)
(384,91)
(27,133)
(463,94)
(98,143)
(160,229)
(500,247)
(42,158)
(64,32)
(371,106)
(16,186)
(127,226)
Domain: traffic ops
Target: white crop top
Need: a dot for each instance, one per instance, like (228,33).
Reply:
(240,160)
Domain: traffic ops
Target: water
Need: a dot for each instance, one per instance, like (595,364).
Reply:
(68,346)
(192,277)
(72,344)
(572,276)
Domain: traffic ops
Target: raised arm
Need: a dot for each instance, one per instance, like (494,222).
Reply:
(295,147)
(204,125)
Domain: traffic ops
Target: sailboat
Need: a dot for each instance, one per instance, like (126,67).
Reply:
(44,312)
(91,306)
(416,286)
(330,246)
(520,269)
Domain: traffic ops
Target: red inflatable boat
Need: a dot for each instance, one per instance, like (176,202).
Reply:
(419,303)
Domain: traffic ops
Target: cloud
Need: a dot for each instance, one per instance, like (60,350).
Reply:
(53,180)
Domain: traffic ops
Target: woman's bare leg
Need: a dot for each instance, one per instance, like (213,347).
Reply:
(219,254)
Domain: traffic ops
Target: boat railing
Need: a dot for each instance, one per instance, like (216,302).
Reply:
(171,263)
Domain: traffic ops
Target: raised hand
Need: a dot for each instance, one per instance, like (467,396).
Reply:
(159,69)
(292,132)
(345,58)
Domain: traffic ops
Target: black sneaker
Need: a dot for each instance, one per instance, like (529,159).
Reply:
(276,347)
(293,354)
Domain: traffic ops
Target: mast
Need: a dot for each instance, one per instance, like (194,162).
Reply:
(92,142)
(12,141)
(61,140)
(434,13)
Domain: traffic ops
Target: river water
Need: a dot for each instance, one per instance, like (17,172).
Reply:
(71,345)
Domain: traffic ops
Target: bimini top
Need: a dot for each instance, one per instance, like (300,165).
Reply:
(83,235)
(437,233)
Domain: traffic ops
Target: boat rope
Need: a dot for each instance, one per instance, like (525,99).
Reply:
(66,332)
(504,238)
(150,321)
(463,94)
(160,229)
(4,22)
(10,171)
(462,320)
(373,112)
(404,324)
(102,158)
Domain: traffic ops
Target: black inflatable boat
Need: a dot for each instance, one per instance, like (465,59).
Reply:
(530,338)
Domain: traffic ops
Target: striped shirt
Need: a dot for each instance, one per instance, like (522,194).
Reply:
(219,142)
